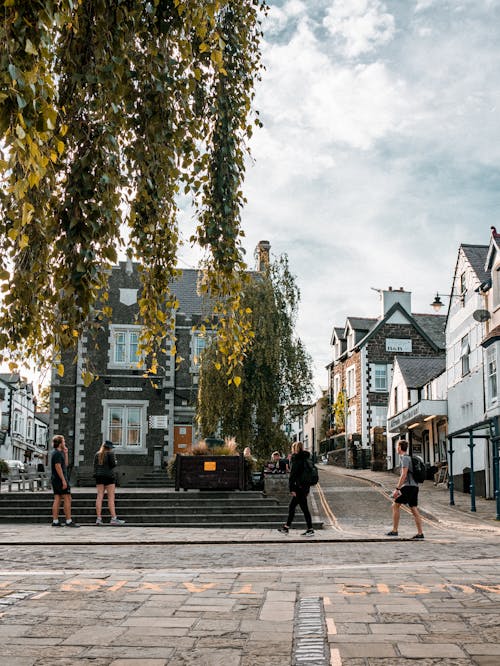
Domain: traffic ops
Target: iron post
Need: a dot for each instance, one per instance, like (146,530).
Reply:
(496,480)
(450,470)
(472,486)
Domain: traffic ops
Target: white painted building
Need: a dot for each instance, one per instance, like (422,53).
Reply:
(464,365)
(18,430)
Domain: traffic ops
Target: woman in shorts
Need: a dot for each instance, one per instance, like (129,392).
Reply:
(105,480)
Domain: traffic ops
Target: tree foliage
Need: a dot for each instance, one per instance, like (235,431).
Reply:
(276,371)
(109,110)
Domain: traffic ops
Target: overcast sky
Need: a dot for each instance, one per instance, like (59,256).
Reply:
(380,151)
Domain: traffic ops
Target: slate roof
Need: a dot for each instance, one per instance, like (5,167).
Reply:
(339,332)
(44,417)
(362,323)
(433,325)
(477,255)
(185,288)
(10,378)
(417,370)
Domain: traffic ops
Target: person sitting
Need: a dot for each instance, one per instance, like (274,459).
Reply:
(277,465)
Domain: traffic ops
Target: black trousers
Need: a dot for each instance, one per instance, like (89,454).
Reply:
(299,498)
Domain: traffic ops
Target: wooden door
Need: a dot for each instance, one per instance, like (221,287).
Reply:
(183,438)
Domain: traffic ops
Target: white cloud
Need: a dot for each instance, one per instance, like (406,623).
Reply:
(360,25)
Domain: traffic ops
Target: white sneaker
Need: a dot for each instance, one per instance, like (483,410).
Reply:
(98,521)
(116,521)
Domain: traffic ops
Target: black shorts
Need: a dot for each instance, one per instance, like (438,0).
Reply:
(104,481)
(58,489)
(409,495)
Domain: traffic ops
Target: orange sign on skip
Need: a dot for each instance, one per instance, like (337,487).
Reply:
(209,466)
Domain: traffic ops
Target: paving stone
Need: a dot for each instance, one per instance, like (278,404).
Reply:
(95,634)
(206,658)
(138,662)
(151,621)
(367,650)
(483,648)
(397,629)
(441,650)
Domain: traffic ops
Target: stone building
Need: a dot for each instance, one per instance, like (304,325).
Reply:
(364,350)
(148,418)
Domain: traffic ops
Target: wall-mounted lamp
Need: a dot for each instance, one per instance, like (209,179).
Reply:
(437,303)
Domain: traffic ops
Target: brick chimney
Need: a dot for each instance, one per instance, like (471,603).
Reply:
(262,255)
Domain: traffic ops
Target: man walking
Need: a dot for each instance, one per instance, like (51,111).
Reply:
(60,485)
(406,493)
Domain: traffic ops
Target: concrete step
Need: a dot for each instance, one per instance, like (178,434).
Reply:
(193,508)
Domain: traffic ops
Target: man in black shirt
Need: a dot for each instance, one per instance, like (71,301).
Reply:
(60,484)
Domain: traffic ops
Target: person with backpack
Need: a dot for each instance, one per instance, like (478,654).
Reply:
(302,476)
(406,492)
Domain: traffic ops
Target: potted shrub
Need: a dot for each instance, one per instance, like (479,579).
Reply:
(218,467)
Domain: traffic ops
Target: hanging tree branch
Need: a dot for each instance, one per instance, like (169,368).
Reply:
(109,106)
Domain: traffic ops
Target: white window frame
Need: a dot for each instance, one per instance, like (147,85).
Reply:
(128,362)
(351,420)
(196,352)
(465,355)
(351,381)
(337,382)
(18,424)
(379,416)
(491,374)
(377,367)
(122,446)
(29,428)
(496,286)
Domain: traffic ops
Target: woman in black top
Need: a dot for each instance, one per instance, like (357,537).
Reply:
(299,489)
(105,480)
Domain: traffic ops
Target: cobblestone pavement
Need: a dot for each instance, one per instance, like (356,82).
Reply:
(350,596)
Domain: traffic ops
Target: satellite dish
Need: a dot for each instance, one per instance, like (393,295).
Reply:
(481,315)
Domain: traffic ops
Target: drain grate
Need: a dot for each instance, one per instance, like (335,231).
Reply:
(310,644)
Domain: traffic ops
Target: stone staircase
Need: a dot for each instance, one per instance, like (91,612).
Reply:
(161,508)
(153,479)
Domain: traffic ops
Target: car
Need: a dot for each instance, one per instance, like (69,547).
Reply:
(16,464)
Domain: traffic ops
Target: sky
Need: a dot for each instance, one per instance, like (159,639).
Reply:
(380,151)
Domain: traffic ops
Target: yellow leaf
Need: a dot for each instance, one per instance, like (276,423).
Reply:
(218,366)
(29,48)
(237,380)
(64,129)
(87,378)
(60,147)
(229,382)
(24,242)
(53,156)
(13,234)
(60,370)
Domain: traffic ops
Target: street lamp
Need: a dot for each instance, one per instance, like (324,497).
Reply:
(437,303)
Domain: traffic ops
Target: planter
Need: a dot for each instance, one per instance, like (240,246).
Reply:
(209,472)
(276,485)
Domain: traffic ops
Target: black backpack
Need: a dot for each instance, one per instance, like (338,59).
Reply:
(418,470)
(310,476)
